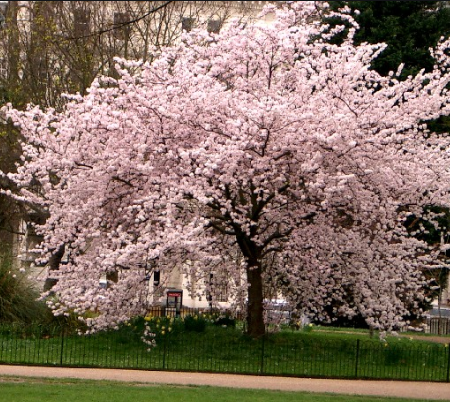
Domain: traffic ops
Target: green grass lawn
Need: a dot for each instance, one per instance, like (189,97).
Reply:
(319,353)
(47,390)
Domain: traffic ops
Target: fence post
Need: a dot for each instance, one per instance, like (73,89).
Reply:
(62,347)
(261,370)
(448,362)
(164,352)
(357,358)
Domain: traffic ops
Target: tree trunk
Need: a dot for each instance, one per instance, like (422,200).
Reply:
(255,309)
(13,50)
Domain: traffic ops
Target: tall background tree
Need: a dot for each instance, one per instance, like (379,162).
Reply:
(409,28)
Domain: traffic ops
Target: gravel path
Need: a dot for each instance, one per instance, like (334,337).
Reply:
(417,390)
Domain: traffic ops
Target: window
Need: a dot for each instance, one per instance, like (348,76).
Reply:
(214,26)
(187,24)
(121,26)
(81,17)
(218,289)
(156,278)
(3,66)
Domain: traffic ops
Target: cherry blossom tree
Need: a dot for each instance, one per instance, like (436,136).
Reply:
(264,154)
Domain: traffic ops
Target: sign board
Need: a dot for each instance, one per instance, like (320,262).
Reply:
(174,299)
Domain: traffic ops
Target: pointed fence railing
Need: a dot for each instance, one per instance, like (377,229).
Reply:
(226,350)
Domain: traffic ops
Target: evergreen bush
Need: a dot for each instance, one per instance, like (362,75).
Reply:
(18,299)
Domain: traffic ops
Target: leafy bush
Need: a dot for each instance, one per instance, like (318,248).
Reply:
(18,299)
(225,321)
(196,323)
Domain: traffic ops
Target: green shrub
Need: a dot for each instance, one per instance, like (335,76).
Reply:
(18,299)
(196,323)
(225,321)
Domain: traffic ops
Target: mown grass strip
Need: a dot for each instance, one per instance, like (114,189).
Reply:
(51,390)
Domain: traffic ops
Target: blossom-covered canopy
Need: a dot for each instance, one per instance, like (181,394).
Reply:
(264,154)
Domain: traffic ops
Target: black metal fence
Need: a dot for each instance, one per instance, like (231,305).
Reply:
(227,350)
